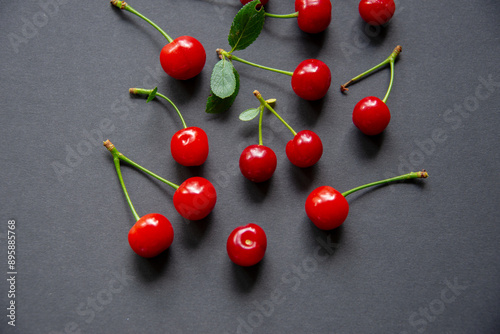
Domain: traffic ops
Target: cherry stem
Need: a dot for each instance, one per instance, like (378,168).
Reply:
(230,56)
(412,175)
(283,16)
(120,177)
(260,125)
(390,60)
(265,104)
(117,155)
(127,7)
(149,92)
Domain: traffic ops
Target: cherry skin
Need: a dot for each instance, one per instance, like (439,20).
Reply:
(244,2)
(247,245)
(314,15)
(376,12)
(258,163)
(371,115)
(189,146)
(305,149)
(183,58)
(326,208)
(195,198)
(311,79)
(151,235)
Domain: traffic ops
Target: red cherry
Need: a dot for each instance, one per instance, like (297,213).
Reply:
(327,208)
(376,12)
(151,235)
(258,163)
(247,245)
(314,15)
(371,115)
(305,149)
(244,2)
(189,146)
(311,79)
(195,198)
(183,58)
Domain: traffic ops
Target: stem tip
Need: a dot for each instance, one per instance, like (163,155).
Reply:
(119,4)
(257,94)
(108,145)
(423,174)
(398,50)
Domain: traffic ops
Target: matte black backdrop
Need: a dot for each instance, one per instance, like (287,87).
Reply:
(411,258)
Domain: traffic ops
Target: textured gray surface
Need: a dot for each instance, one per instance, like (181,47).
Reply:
(411,258)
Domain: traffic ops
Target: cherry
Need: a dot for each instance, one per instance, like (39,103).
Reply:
(327,208)
(195,198)
(189,146)
(258,163)
(371,115)
(246,245)
(151,235)
(305,149)
(262,2)
(314,16)
(311,79)
(182,58)
(376,12)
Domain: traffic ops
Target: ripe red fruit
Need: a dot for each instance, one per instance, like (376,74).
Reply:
(311,79)
(151,235)
(247,245)
(195,198)
(314,15)
(371,115)
(305,149)
(258,163)
(189,146)
(183,58)
(326,207)
(376,12)
(244,2)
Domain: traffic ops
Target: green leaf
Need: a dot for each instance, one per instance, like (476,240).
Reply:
(152,95)
(246,26)
(249,114)
(223,80)
(216,105)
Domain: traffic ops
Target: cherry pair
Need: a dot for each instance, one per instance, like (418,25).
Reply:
(182,58)
(371,115)
(189,146)
(258,162)
(194,199)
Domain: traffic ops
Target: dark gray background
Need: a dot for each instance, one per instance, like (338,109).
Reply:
(397,255)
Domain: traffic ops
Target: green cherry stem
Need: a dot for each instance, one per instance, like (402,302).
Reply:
(390,60)
(283,16)
(125,6)
(265,104)
(117,155)
(151,95)
(260,124)
(120,177)
(412,175)
(230,56)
